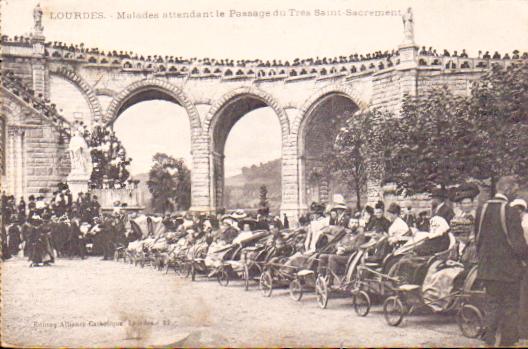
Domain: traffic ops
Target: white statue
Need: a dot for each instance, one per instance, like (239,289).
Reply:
(37,18)
(408,27)
(81,160)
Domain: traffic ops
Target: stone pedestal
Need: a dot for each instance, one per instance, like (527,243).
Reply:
(408,54)
(78,183)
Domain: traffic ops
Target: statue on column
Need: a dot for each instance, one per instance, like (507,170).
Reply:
(81,160)
(408,27)
(37,18)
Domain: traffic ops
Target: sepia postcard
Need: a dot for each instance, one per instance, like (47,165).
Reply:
(263,173)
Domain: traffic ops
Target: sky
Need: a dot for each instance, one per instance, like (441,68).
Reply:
(451,24)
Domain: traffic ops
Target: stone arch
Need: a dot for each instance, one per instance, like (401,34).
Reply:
(165,88)
(263,96)
(311,134)
(312,101)
(84,87)
(222,115)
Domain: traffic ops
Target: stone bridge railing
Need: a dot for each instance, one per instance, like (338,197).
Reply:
(250,71)
(107,197)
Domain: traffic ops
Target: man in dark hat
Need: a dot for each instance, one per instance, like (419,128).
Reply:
(502,250)
(440,205)
(409,217)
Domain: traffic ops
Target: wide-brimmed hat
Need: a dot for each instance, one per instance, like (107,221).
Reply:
(338,203)
(239,214)
(317,207)
(519,202)
(464,191)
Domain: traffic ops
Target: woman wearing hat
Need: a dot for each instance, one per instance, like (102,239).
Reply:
(462,224)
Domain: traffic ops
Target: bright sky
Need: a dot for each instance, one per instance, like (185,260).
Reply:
(454,25)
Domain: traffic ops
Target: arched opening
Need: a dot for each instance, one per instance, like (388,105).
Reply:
(148,122)
(319,129)
(70,100)
(247,150)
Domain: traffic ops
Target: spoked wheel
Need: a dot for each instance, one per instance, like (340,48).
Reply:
(266,283)
(321,291)
(246,277)
(470,321)
(393,310)
(296,290)
(361,303)
(223,277)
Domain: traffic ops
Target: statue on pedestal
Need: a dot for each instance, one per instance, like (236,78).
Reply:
(81,160)
(408,27)
(37,18)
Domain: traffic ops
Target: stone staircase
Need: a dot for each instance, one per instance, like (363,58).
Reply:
(37,103)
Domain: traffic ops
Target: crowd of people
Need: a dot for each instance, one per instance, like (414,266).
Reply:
(492,236)
(16,85)
(43,227)
(109,157)
(82,50)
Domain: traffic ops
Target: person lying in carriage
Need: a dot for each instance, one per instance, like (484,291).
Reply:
(336,262)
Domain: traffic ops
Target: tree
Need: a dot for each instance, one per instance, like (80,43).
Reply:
(263,203)
(357,145)
(499,104)
(169,183)
(434,142)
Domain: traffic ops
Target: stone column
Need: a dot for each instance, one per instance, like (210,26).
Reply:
(201,174)
(290,178)
(39,68)
(16,161)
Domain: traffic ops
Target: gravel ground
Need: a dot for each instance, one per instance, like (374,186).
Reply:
(94,303)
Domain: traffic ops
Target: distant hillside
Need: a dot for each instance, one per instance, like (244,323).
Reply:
(243,190)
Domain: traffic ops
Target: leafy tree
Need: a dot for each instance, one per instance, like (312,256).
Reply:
(263,203)
(499,105)
(434,142)
(357,146)
(169,183)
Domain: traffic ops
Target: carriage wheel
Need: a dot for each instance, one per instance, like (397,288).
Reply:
(393,310)
(266,283)
(470,321)
(222,277)
(296,290)
(321,291)
(246,277)
(361,303)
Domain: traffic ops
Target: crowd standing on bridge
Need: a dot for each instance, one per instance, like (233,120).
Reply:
(492,237)
(81,49)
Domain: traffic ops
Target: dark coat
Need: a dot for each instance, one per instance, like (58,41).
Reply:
(444,211)
(378,225)
(497,259)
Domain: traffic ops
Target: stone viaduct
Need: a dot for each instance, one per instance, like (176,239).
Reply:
(305,98)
